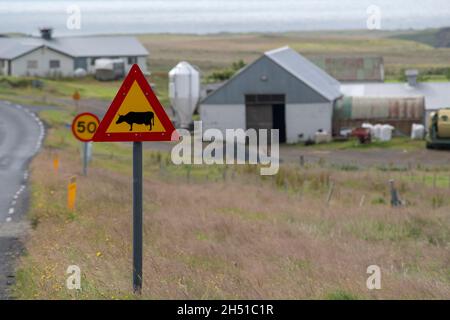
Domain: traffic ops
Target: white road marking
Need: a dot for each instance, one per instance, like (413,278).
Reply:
(37,148)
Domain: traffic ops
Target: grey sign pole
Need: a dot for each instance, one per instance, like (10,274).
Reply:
(85,158)
(137,217)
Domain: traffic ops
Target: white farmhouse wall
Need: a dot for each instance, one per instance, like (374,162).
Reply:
(4,67)
(142,62)
(222,116)
(90,63)
(303,120)
(42,56)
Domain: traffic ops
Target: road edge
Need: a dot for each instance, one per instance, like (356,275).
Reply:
(12,241)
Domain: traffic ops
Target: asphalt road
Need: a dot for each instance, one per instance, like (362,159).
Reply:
(21,134)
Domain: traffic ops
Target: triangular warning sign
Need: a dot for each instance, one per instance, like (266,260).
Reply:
(135,113)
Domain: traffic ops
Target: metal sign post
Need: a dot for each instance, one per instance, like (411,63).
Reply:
(137,217)
(84,127)
(136,115)
(85,157)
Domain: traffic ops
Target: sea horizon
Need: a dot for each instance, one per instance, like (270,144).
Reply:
(218,16)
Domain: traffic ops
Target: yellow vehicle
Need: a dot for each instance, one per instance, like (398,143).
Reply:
(439,129)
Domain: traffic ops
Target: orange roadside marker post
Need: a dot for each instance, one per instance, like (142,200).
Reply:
(76,97)
(71,193)
(56,162)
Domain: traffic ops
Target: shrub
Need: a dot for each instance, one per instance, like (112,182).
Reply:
(227,73)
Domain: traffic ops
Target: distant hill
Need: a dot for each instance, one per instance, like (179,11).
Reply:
(438,38)
(443,38)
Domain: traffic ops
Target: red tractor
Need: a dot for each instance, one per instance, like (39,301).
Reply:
(363,135)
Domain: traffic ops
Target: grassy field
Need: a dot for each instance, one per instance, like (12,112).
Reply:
(220,233)
(226,232)
(211,52)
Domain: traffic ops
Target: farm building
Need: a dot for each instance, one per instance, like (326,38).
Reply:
(435,95)
(352,69)
(280,90)
(61,56)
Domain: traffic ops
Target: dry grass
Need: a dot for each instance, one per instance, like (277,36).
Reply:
(211,52)
(240,238)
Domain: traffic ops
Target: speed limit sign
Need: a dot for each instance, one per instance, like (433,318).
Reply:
(84,126)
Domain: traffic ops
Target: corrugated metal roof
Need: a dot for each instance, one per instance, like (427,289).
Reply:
(306,71)
(352,68)
(11,47)
(100,46)
(93,46)
(436,94)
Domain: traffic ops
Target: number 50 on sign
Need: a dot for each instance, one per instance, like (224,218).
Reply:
(84,126)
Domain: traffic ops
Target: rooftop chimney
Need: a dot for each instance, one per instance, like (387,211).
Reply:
(411,76)
(46,33)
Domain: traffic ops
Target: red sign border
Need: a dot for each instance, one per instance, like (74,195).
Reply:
(79,116)
(135,74)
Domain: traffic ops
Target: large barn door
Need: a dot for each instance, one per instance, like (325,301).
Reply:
(279,120)
(266,111)
(259,116)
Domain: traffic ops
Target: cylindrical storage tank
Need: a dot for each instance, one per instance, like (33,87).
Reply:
(368,108)
(443,116)
(184,92)
(400,112)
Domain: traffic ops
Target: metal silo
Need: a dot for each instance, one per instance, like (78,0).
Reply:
(184,92)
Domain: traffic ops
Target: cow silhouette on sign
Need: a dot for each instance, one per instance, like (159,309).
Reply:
(146,118)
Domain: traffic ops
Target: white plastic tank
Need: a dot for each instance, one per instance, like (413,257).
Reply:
(109,69)
(184,92)
(417,131)
(377,131)
(322,137)
(386,132)
(80,73)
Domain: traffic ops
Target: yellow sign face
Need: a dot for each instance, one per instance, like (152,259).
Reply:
(135,114)
(84,126)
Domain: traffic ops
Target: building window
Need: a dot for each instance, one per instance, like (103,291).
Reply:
(54,64)
(132,60)
(93,61)
(32,64)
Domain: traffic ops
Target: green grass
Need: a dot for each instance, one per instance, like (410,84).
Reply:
(56,117)
(432,231)
(428,36)
(87,87)
(401,143)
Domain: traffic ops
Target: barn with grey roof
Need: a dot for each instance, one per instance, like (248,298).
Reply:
(280,90)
